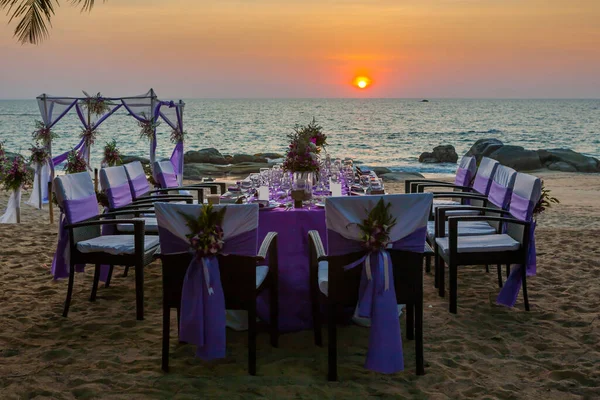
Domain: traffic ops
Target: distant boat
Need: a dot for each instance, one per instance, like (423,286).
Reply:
(424,101)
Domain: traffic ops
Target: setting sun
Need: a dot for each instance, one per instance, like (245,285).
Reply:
(362,82)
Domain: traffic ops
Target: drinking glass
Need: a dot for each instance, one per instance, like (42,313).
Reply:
(365,183)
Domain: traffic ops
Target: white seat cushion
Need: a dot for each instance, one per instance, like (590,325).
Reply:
(455,213)
(480,244)
(261,274)
(150,226)
(465,228)
(116,244)
(440,202)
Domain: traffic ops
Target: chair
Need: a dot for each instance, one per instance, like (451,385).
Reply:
(335,287)
(512,243)
(236,279)
(81,241)
(467,168)
(167,179)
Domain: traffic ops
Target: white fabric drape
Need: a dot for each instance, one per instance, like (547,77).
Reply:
(14,203)
(41,178)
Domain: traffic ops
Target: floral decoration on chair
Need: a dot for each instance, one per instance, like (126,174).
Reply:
(376,228)
(206,236)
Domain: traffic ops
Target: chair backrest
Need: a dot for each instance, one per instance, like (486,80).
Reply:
(137,179)
(485,175)
(525,196)
(116,185)
(76,196)
(343,241)
(502,187)
(466,171)
(165,174)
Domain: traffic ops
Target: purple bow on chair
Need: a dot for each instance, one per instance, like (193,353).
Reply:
(73,211)
(377,298)
(202,299)
(522,209)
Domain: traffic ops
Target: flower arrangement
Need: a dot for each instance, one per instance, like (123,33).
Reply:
(149,176)
(89,136)
(39,155)
(97,104)
(112,156)
(376,228)
(148,126)
(75,163)
(43,134)
(3,161)
(206,237)
(545,201)
(17,175)
(306,143)
(177,135)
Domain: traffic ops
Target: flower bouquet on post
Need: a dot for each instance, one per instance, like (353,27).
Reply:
(17,176)
(112,155)
(75,163)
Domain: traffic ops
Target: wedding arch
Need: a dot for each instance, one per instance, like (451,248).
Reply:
(92,111)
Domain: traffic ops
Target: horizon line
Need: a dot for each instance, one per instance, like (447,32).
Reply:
(351,98)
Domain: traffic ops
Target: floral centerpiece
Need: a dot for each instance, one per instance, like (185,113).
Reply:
(306,144)
(39,155)
(75,163)
(112,155)
(43,134)
(206,236)
(17,175)
(376,228)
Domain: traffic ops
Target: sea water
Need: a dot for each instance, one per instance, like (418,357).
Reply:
(375,132)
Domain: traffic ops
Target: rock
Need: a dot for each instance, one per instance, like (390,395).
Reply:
(210,156)
(400,176)
(380,170)
(270,156)
(517,157)
(580,162)
(198,171)
(440,154)
(127,159)
(562,166)
(246,168)
(240,158)
(484,147)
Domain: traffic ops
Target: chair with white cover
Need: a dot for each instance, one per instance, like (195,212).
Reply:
(511,243)
(201,289)
(386,279)
(141,191)
(467,168)
(165,175)
(81,241)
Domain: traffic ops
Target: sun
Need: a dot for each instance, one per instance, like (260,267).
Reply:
(362,82)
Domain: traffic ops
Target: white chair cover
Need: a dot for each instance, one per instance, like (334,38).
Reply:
(41,178)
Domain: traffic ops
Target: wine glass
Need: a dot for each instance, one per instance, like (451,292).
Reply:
(365,183)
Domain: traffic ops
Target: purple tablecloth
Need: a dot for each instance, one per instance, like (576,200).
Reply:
(292,239)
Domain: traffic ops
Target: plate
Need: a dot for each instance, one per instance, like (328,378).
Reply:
(320,205)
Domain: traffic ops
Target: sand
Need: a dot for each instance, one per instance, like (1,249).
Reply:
(485,351)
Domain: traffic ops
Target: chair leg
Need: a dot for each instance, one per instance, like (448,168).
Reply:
(428,264)
(316,315)
(419,335)
(499,269)
(95,284)
(507,270)
(524,281)
(252,339)
(441,277)
(165,337)
(109,277)
(453,287)
(274,328)
(139,291)
(179,322)
(126,271)
(410,321)
(69,290)
(487,268)
(332,345)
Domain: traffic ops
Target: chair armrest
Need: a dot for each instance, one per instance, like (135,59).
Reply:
(453,227)
(95,222)
(441,217)
(265,246)
(212,185)
(462,195)
(136,212)
(411,184)
(316,239)
(422,186)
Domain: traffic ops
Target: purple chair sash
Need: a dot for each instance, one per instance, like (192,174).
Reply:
(139,186)
(167,180)
(463,177)
(202,319)
(377,298)
(74,211)
(482,184)
(119,196)
(522,209)
(499,195)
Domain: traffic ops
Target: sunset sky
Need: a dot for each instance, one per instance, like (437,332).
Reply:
(312,48)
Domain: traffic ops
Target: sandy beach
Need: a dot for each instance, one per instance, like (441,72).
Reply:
(485,351)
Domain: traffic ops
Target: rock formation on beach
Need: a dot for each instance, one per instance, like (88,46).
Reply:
(521,159)
(440,154)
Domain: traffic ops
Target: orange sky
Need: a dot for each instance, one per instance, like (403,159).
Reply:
(313,48)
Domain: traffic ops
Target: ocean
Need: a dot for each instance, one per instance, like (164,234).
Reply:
(375,132)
